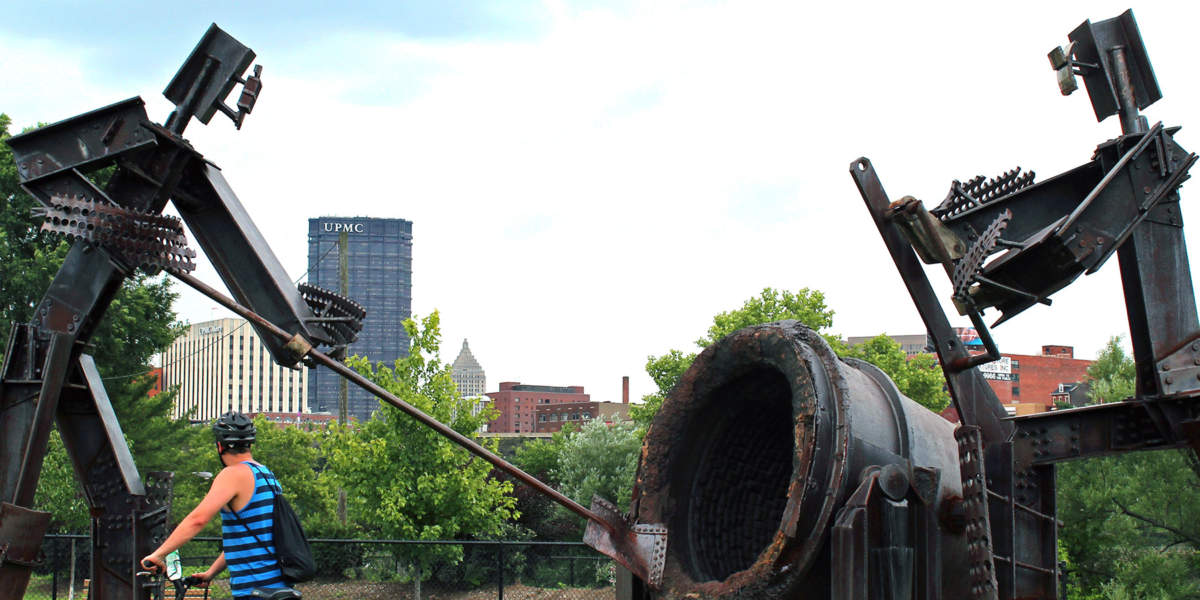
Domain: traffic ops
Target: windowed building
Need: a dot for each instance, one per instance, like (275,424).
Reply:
(221,366)
(467,374)
(518,403)
(375,256)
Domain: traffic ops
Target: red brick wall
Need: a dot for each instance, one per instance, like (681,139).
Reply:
(562,413)
(1038,377)
(157,389)
(519,415)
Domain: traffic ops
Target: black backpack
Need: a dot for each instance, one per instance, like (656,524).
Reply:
(291,545)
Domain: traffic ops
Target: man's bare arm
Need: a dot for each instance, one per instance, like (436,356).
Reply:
(224,488)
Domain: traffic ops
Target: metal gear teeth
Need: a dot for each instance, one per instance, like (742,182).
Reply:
(139,238)
(967,267)
(980,190)
(340,316)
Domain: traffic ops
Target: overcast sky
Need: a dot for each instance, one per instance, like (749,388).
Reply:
(591,182)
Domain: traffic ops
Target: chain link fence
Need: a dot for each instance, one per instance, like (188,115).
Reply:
(380,569)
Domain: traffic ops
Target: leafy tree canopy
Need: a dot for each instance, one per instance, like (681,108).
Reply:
(1132,521)
(405,481)
(919,378)
(600,460)
(1113,376)
(805,305)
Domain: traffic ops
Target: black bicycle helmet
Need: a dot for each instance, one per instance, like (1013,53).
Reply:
(234,429)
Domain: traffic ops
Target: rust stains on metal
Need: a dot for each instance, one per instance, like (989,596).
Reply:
(755,450)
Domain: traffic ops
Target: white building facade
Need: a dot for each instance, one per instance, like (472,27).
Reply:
(222,365)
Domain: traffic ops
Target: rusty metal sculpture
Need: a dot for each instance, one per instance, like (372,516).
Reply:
(47,377)
(780,469)
(784,472)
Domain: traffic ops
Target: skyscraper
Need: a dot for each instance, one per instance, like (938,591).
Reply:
(467,374)
(370,261)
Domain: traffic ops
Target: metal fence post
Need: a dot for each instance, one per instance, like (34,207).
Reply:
(54,579)
(71,584)
(571,569)
(500,568)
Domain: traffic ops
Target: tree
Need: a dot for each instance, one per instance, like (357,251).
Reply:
(600,460)
(1132,521)
(405,481)
(294,456)
(538,513)
(138,324)
(1113,376)
(920,378)
(805,305)
(58,491)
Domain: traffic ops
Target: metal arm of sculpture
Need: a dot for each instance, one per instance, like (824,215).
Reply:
(120,228)
(46,377)
(1009,243)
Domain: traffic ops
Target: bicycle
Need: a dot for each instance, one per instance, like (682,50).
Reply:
(182,584)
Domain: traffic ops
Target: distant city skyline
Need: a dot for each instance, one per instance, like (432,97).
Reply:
(585,203)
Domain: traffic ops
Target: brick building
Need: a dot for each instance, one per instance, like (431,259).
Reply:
(1028,383)
(156,374)
(516,403)
(550,417)
(1024,383)
(290,419)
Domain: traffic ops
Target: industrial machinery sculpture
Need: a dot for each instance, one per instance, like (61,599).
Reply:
(779,469)
(48,378)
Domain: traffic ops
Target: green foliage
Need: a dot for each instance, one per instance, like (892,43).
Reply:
(595,460)
(1131,519)
(539,457)
(405,481)
(920,378)
(292,454)
(1132,522)
(600,460)
(1113,376)
(539,515)
(59,492)
(805,305)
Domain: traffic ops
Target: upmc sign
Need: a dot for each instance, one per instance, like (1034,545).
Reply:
(347,227)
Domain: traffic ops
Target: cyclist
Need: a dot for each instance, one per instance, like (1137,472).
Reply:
(242,494)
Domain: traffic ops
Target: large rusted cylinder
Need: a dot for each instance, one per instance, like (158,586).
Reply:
(758,447)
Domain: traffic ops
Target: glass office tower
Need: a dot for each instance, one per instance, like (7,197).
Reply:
(378,266)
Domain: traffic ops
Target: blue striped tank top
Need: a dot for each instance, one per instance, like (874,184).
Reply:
(246,540)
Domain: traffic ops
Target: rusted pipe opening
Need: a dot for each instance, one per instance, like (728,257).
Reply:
(732,482)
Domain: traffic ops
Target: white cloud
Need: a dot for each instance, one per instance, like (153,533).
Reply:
(593,196)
